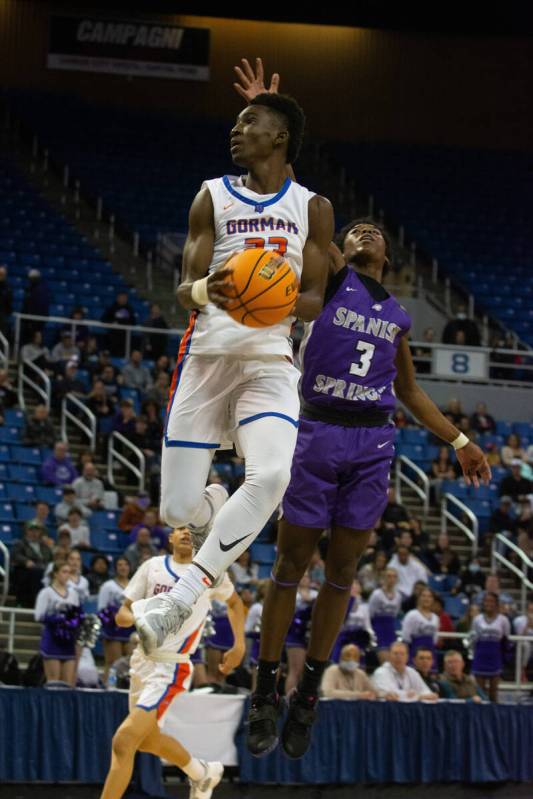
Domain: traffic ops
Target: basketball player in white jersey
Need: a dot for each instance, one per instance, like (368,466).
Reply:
(234,382)
(166,673)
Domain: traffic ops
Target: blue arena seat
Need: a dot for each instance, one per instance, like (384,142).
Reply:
(30,456)
(49,494)
(19,492)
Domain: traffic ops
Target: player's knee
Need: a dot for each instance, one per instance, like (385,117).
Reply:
(178,510)
(341,574)
(274,479)
(124,742)
(289,568)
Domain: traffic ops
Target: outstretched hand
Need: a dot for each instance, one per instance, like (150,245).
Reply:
(253,83)
(231,659)
(474,465)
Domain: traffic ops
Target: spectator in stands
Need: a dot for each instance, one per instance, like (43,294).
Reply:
(500,342)
(135,375)
(423,663)
(159,391)
(514,485)
(345,680)
(422,355)
(372,574)
(62,546)
(42,512)
(65,350)
(445,620)
(143,549)
(141,439)
(119,313)
(503,518)
(158,533)
(98,573)
(124,420)
(453,410)
(442,468)
(409,570)
(410,602)
(492,454)
(481,421)
(492,586)
(80,534)
(394,512)
(472,579)
(89,488)
(29,558)
(100,402)
(465,427)
(155,345)
(89,353)
(317,569)
(36,303)
(398,682)
(490,631)
(8,392)
(512,450)
(461,322)
(104,360)
(442,559)
(133,511)
(39,430)
(419,536)
(36,352)
(243,572)
(162,364)
(154,431)
(6,302)
(455,684)
(70,500)
(67,383)
(58,469)
(80,333)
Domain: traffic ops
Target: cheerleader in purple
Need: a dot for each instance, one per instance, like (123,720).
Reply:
(110,598)
(384,607)
(490,629)
(53,606)
(420,627)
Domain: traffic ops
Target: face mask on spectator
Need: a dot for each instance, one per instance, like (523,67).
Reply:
(474,567)
(348,665)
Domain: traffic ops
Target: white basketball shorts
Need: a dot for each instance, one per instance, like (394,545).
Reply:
(153,686)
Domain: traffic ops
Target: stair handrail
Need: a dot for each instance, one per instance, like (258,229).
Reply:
(526,585)
(44,391)
(12,614)
(67,415)
(4,351)
(422,491)
(115,455)
(4,572)
(447,516)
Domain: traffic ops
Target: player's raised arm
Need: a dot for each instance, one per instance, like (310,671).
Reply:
(196,288)
(315,259)
(236,615)
(473,461)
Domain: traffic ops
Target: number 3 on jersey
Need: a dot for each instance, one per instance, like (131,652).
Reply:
(278,243)
(367,353)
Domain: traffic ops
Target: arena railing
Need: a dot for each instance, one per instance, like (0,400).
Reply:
(500,545)
(43,390)
(114,454)
(419,486)
(65,321)
(68,415)
(4,351)
(475,364)
(4,572)
(446,515)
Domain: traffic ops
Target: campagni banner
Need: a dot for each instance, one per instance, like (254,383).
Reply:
(128,47)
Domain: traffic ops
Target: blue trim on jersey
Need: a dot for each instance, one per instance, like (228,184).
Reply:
(257,203)
(249,419)
(194,444)
(169,570)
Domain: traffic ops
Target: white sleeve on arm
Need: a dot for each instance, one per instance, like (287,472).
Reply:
(383,683)
(103,597)
(138,585)
(407,627)
(418,683)
(372,602)
(41,605)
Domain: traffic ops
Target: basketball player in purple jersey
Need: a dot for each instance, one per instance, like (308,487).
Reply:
(356,361)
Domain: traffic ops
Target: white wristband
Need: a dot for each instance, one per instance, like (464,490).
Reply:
(199,293)
(460,442)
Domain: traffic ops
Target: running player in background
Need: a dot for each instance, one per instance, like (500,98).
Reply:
(231,381)
(158,679)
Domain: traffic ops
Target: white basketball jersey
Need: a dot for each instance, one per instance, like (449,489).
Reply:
(160,574)
(246,219)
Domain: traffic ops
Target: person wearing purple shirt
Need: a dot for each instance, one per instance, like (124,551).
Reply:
(58,469)
(158,534)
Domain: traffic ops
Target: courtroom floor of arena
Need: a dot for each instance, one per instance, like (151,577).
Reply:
(236,791)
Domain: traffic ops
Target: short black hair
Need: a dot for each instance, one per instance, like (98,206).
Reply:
(293,115)
(366,220)
(423,649)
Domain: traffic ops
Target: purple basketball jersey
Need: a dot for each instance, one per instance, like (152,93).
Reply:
(348,353)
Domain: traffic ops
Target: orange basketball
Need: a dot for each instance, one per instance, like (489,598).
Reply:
(266,288)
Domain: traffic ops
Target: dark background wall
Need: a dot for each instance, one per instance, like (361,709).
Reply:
(354,83)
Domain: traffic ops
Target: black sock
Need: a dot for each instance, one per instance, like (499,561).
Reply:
(267,674)
(312,677)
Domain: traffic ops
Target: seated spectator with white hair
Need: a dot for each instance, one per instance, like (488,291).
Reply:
(39,430)
(345,680)
(89,488)
(454,683)
(398,682)
(409,570)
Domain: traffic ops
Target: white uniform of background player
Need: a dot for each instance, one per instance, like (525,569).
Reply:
(156,680)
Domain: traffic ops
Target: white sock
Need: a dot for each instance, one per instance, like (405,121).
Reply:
(195,769)
(191,586)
